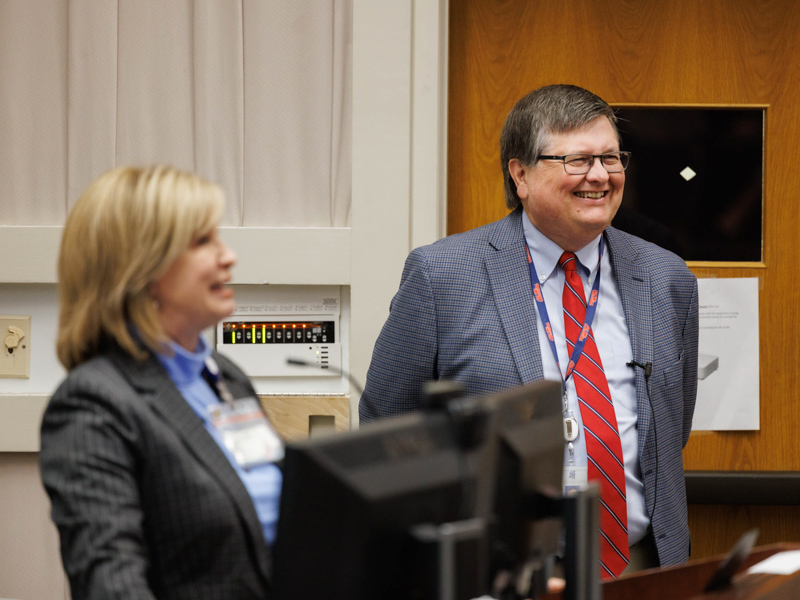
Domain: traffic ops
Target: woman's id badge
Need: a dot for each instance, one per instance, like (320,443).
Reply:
(246,432)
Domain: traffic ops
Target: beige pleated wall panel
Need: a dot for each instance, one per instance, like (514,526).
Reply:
(293,132)
(33,104)
(254,95)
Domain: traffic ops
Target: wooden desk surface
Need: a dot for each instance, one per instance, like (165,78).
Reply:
(686,582)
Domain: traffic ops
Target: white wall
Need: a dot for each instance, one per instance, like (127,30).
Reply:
(29,563)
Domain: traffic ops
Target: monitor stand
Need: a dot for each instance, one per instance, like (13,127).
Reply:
(451,560)
(582,544)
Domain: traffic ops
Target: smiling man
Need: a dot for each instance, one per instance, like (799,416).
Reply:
(506,304)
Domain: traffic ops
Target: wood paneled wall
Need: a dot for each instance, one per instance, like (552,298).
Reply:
(656,51)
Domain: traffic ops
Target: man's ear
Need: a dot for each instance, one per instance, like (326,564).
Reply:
(518,173)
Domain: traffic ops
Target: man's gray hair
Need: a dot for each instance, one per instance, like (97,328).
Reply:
(550,109)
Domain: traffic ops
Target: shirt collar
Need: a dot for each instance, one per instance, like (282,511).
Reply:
(545,252)
(185,366)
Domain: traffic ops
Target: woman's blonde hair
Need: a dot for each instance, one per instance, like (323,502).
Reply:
(123,234)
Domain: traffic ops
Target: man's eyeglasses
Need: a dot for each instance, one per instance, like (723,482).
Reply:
(580,164)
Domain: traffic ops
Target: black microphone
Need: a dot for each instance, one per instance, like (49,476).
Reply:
(648,367)
(299,362)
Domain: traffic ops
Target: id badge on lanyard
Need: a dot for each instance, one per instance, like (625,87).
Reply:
(575,478)
(244,428)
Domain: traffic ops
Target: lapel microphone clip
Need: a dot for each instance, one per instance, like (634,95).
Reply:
(648,367)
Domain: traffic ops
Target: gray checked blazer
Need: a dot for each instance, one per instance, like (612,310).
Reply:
(146,503)
(465,312)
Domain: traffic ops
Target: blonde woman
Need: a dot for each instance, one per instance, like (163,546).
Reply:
(149,490)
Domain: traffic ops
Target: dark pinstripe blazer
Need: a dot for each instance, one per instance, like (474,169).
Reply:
(465,312)
(146,503)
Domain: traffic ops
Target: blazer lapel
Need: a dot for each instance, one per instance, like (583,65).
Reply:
(633,279)
(157,389)
(509,278)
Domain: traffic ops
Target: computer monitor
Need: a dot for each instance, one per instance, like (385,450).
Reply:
(350,500)
(528,468)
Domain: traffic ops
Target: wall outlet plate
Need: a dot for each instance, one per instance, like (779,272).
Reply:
(15,346)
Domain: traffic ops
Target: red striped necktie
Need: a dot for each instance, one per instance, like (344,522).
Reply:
(603,446)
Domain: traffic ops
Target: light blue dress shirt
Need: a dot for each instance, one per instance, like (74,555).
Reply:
(613,343)
(263,482)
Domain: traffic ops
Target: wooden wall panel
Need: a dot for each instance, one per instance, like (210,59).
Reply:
(715,528)
(653,51)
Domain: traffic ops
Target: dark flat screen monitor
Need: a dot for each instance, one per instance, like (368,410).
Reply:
(350,500)
(527,469)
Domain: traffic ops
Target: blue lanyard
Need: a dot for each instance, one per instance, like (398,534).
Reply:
(591,308)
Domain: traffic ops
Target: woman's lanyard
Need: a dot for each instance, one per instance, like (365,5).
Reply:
(213,377)
(570,423)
